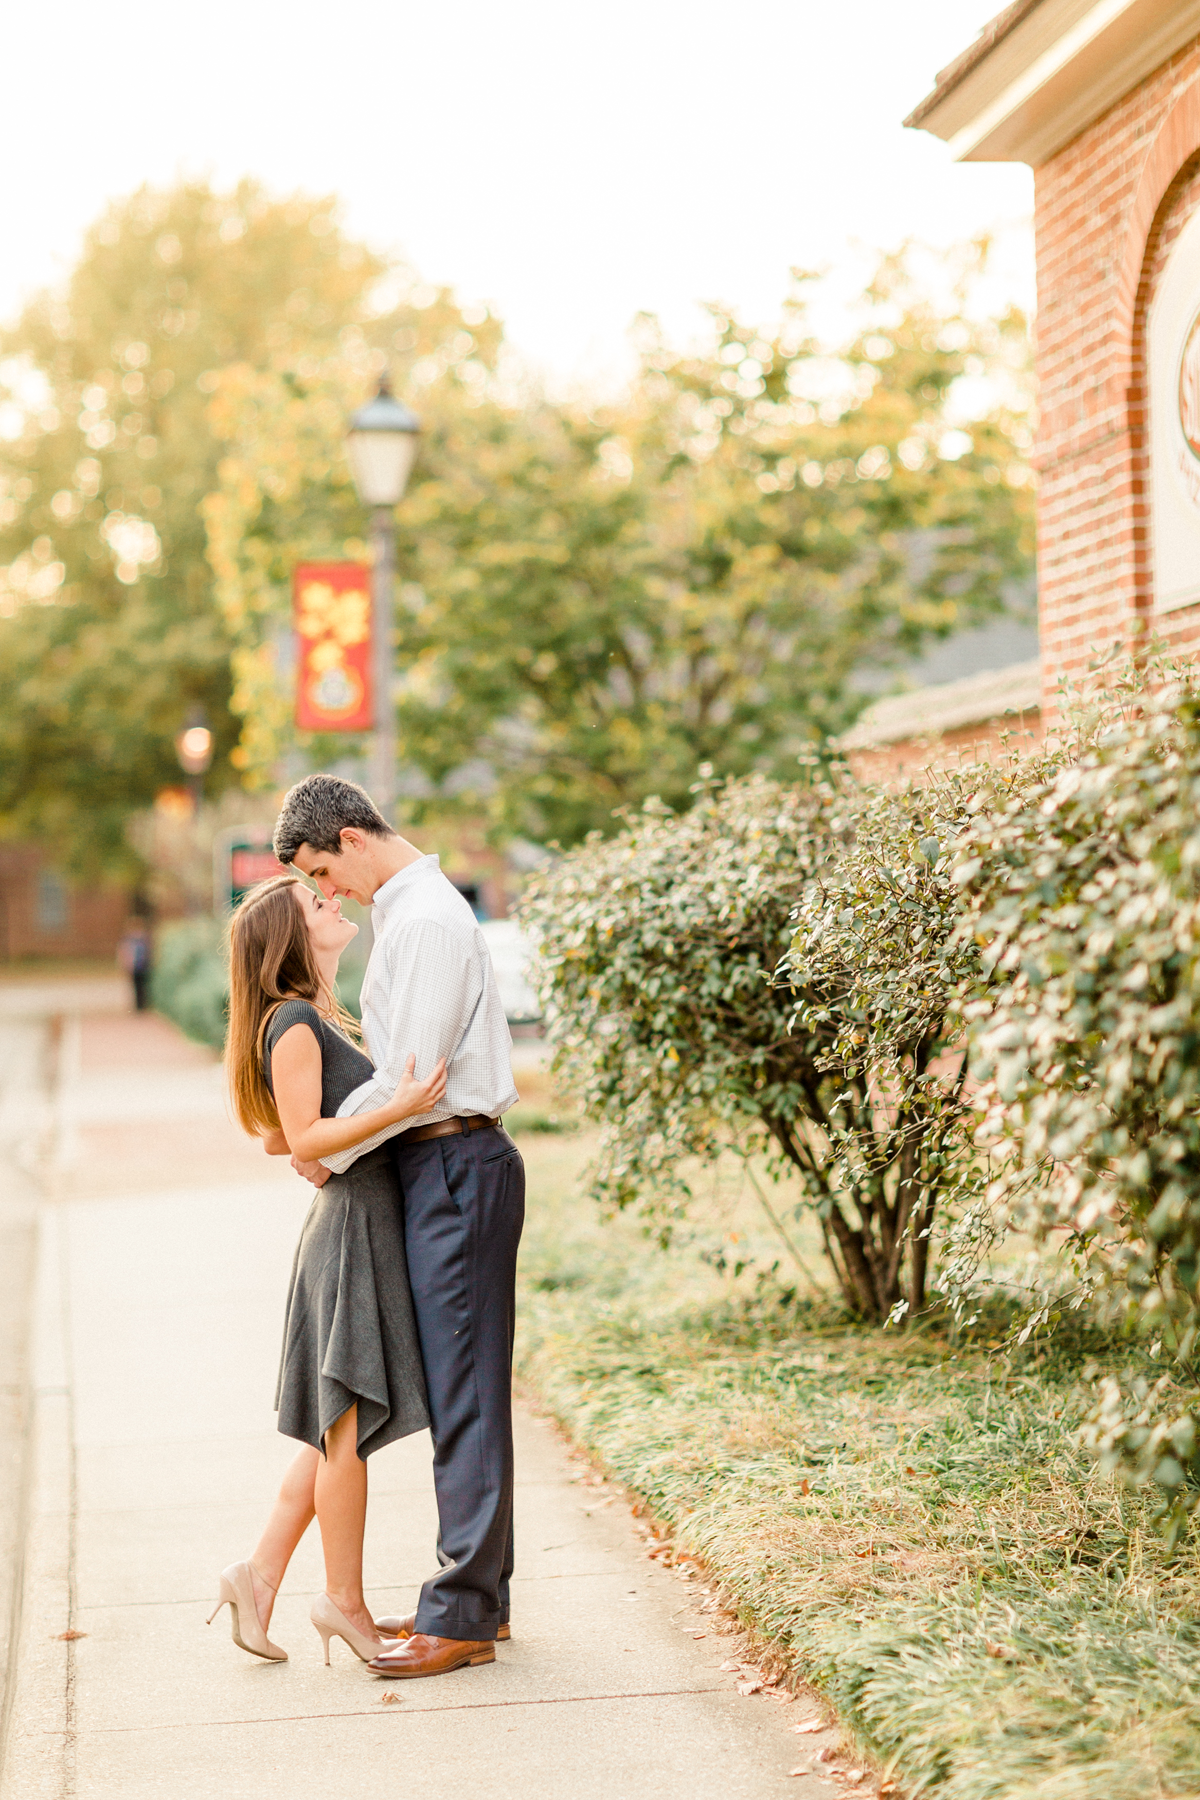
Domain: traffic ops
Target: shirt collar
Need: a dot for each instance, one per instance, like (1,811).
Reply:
(392,889)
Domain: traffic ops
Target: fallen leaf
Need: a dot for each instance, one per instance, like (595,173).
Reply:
(390,1699)
(824,1754)
(809,1725)
(698,1635)
(853,1774)
(749,1687)
(804,1486)
(728,1667)
(68,1637)
(888,1787)
(802,1770)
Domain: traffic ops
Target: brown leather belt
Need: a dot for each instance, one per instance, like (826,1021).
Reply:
(445,1128)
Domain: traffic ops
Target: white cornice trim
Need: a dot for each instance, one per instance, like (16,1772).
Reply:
(1062,66)
(1068,46)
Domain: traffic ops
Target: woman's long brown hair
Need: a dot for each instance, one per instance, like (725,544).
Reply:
(270,961)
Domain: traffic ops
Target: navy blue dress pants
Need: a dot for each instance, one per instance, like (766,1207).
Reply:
(464,1205)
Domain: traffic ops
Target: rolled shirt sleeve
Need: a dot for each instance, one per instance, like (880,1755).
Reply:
(434,986)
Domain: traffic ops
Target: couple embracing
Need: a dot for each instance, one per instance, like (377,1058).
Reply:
(400,1314)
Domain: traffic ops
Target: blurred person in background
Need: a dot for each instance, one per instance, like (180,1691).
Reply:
(134,955)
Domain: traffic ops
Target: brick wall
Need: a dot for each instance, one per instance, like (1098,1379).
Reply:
(41,915)
(1108,208)
(915,759)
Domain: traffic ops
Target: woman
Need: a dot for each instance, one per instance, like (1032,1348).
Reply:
(350,1379)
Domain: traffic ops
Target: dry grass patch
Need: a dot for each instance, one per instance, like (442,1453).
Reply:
(906,1522)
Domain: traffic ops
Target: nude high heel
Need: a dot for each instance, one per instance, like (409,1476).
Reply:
(330,1621)
(237,1592)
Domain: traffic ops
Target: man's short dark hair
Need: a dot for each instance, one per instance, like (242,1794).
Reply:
(316,812)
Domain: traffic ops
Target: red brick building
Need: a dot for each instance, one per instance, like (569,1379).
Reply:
(1102,99)
(42,915)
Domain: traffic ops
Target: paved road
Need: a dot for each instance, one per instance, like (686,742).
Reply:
(163,1262)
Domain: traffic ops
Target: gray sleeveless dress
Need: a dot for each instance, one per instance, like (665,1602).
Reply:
(350,1335)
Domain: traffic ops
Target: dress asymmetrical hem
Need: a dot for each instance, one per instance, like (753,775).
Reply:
(350,1337)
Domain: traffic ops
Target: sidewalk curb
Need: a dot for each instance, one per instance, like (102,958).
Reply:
(39,1747)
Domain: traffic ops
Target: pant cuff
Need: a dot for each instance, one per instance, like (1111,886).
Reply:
(468,1631)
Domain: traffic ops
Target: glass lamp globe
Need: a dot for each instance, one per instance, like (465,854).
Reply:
(382,444)
(194,748)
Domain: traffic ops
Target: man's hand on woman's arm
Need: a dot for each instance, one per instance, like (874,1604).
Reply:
(275,1144)
(316,1172)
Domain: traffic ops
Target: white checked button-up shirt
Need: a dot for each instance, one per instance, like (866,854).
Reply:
(430,991)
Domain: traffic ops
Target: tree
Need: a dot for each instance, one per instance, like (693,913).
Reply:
(599,600)
(108,631)
(285,493)
(693,1010)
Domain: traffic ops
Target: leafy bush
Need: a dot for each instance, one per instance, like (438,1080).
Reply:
(1083,887)
(190,982)
(876,964)
(656,954)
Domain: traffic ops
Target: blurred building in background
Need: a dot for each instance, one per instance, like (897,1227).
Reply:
(1102,100)
(43,915)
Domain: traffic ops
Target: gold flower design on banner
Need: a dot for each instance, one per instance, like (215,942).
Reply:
(333,623)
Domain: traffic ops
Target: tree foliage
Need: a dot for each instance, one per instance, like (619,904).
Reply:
(596,601)
(656,951)
(285,494)
(1084,889)
(108,632)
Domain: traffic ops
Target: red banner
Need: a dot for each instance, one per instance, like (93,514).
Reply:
(332,613)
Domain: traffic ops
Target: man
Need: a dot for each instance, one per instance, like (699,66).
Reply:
(429,991)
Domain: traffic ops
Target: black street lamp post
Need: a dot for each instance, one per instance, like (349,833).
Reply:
(382,444)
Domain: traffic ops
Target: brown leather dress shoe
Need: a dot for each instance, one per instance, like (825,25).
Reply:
(392,1627)
(421,1655)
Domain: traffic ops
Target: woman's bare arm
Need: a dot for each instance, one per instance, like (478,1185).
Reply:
(296,1078)
(275,1143)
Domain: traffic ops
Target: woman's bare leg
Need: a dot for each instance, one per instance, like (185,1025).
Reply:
(291,1516)
(341,1498)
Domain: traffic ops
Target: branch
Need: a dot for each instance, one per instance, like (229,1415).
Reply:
(778,1224)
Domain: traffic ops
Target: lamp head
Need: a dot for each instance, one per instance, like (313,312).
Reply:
(194,746)
(382,444)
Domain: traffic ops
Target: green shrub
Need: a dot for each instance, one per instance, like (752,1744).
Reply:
(657,951)
(190,981)
(1084,888)
(876,965)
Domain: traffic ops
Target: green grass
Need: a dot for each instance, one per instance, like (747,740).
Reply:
(904,1523)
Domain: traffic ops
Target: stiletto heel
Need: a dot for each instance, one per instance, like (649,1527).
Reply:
(330,1622)
(236,1591)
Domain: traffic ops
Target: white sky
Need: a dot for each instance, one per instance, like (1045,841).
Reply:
(568,163)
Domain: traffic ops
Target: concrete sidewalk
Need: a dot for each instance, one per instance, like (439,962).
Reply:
(162,1269)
